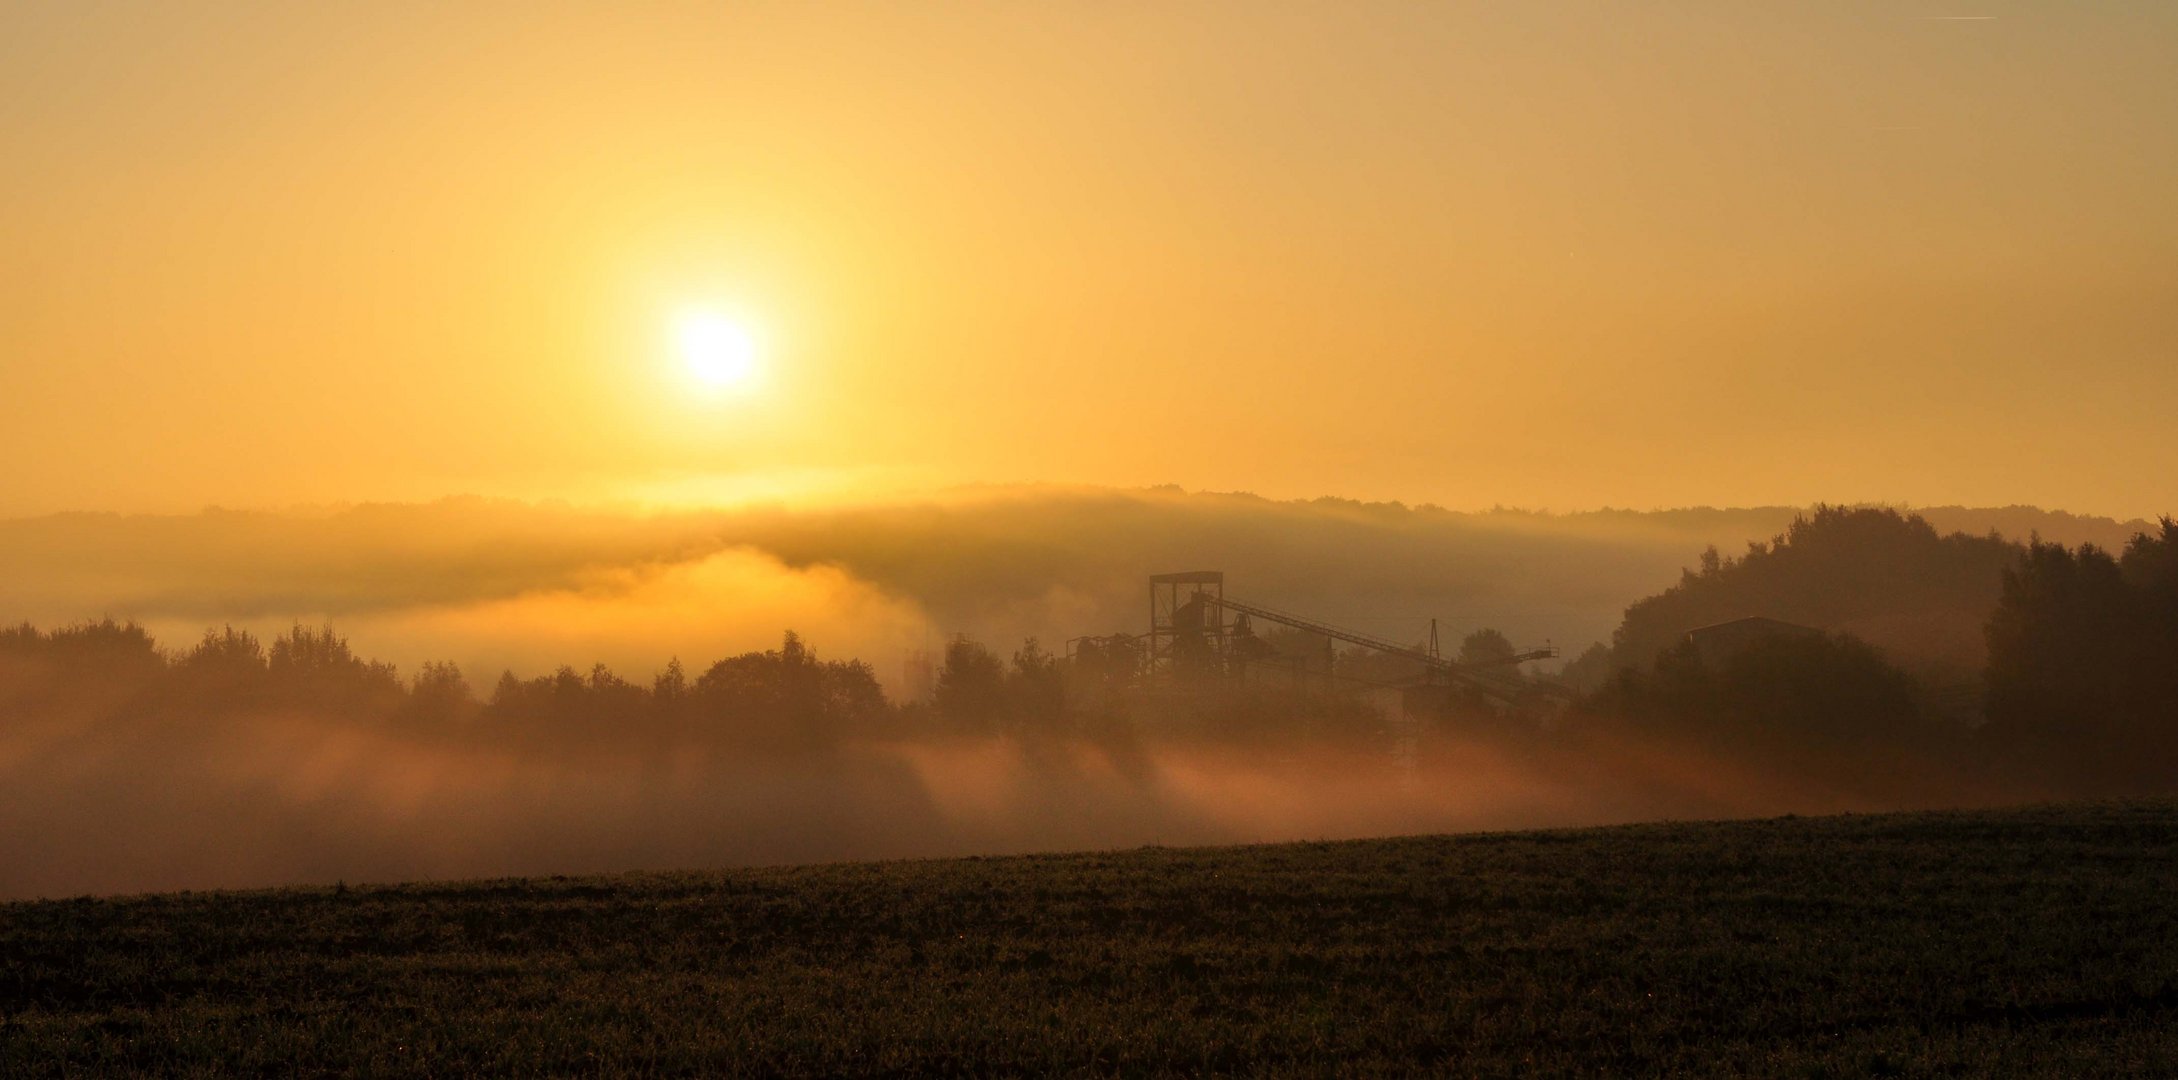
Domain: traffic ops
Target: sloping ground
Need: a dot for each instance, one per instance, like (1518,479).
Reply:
(1996,943)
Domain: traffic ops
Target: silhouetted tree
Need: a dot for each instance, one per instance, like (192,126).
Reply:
(669,693)
(2151,571)
(315,668)
(88,669)
(614,700)
(787,698)
(671,684)
(122,651)
(438,693)
(971,688)
(1036,697)
(1827,693)
(226,670)
(2083,663)
(1487,646)
(507,694)
(1588,672)
(226,654)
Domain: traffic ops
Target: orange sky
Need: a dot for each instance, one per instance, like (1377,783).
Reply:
(1557,255)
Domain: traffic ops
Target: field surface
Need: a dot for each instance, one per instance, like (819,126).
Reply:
(2038,941)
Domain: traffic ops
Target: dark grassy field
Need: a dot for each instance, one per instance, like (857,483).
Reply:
(2040,941)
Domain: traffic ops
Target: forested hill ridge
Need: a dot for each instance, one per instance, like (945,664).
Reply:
(1924,597)
(1891,579)
(2055,661)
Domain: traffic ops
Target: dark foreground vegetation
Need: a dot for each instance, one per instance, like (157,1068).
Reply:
(2038,941)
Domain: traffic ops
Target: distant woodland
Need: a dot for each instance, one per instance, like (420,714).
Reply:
(1981,650)
(1932,669)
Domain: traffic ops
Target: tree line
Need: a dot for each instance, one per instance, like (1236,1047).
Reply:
(2078,691)
(785,698)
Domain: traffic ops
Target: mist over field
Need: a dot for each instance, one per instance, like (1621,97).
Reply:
(132,802)
(303,799)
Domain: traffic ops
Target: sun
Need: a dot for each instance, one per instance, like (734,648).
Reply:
(718,351)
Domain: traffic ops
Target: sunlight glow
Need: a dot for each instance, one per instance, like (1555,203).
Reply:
(719,352)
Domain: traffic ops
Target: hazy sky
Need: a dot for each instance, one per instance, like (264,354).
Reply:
(1556,255)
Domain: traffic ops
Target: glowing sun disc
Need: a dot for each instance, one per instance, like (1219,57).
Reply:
(718,351)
